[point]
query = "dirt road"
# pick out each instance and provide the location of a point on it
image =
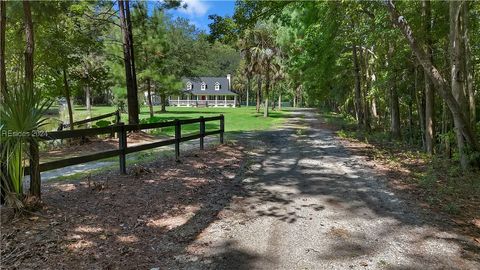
(311, 204)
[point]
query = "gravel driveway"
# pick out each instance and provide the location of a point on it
(310, 204)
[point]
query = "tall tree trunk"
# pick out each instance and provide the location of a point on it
(163, 101)
(267, 89)
(131, 48)
(458, 73)
(420, 98)
(279, 101)
(469, 68)
(88, 103)
(429, 91)
(3, 26)
(132, 95)
(445, 130)
(30, 46)
(149, 97)
(373, 106)
(461, 123)
(366, 110)
(358, 90)
(249, 86)
(394, 112)
(3, 92)
(259, 91)
(410, 114)
(68, 98)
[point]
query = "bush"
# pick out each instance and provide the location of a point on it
(21, 112)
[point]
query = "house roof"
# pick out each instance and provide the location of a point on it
(209, 86)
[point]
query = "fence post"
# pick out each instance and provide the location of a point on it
(117, 117)
(117, 121)
(178, 136)
(122, 146)
(222, 127)
(202, 131)
(35, 179)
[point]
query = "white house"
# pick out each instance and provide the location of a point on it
(205, 92)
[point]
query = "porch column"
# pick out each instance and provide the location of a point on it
(216, 100)
(188, 100)
(234, 101)
(225, 101)
(178, 98)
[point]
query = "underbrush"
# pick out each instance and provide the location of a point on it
(438, 181)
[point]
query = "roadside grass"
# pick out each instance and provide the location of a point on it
(237, 120)
(437, 181)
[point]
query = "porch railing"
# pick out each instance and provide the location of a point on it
(195, 103)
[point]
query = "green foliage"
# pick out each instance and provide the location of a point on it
(223, 29)
(102, 123)
(451, 208)
(21, 113)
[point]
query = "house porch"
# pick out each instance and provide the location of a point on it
(203, 100)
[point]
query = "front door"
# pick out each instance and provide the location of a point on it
(203, 97)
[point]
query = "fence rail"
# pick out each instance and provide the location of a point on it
(121, 129)
(116, 113)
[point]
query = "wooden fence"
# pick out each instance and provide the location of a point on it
(121, 129)
(116, 113)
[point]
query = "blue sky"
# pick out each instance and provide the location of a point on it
(197, 11)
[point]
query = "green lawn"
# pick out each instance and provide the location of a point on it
(236, 119)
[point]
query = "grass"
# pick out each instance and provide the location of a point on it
(236, 119)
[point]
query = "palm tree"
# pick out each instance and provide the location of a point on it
(21, 112)
(240, 83)
(245, 44)
(263, 55)
(278, 76)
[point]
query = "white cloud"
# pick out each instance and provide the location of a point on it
(195, 8)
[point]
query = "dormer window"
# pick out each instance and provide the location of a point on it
(189, 86)
(203, 86)
(217, 86)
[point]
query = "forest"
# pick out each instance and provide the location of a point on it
(411, 78)
(356, 121)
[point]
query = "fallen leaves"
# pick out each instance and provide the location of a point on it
(112, 227)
